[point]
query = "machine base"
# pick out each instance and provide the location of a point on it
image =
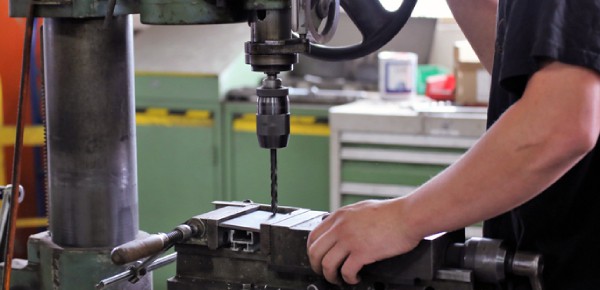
(51, 267)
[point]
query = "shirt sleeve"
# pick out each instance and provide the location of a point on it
(537, 31)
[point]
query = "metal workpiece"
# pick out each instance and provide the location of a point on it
(212, 235)
(91, 132)
(226, 213)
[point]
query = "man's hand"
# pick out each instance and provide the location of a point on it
(357, 235)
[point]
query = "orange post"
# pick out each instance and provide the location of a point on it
(12, 33)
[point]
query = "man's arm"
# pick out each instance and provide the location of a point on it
(534, 143)
(477, 19)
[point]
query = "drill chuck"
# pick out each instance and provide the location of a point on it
(273, 114)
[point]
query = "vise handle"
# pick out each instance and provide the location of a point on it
(151, 245)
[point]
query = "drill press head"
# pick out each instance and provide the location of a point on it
(272, 50)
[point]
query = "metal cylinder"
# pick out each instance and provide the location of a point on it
(91, 131)
(529, 265)
(272, 27)
(486, 257)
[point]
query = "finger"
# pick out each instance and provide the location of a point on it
(319, 230)
(318, 249)
(350, 269)
(332, 261)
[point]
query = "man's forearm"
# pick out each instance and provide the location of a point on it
(477, 19)
(527, 150)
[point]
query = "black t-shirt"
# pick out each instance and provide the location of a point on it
(563, 222)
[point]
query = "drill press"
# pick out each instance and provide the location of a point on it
(253, 246)
(271, 33)
(273, 48)
(90, 112)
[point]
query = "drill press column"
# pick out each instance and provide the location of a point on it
(91, 131)
(91, 157)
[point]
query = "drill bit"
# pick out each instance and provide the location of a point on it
(274, 181)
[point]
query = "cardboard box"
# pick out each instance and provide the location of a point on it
(472, 79)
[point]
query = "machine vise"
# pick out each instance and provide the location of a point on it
(242, 245)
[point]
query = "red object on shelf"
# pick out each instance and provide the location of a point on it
(441, 87)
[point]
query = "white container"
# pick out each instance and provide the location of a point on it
(397, 75)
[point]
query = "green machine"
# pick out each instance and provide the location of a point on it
(179, 120)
